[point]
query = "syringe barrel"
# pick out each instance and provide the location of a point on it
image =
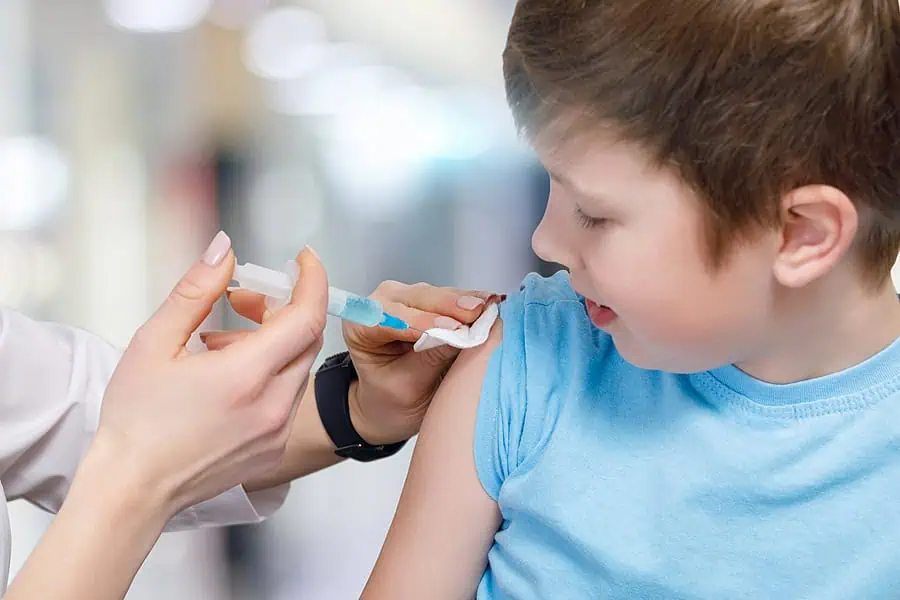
(264, 281)
(279, 286)
(351, 307)
(337, 300)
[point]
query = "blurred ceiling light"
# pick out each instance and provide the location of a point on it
(404, 117)
(409, 121)
(157, 16)
(332, 91)
(377, 144)
(35, 181)
(475, 122)
(375, 150)
(285, 43)
(348, 54)
(374, 183)
(370, 101)
(236, 14)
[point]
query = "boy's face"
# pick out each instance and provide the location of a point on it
(632, 237)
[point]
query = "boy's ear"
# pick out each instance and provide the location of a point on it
(819, 224)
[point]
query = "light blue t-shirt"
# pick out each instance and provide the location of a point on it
(617, 482)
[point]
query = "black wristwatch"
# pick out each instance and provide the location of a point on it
(333, 381)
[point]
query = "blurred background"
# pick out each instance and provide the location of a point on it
(374, 130)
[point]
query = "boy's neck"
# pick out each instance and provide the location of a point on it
(827, 330)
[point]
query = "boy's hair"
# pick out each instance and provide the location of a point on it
(745, 99)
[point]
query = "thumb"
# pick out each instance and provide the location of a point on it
(294, 328)
(191, 301)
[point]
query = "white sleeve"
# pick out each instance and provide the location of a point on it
(52, 381)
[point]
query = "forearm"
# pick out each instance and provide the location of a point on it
(309, 448)
(104, 531)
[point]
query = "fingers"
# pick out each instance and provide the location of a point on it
(190, 302)
(464, 306)
(423, 307)
(372, 338)
(296, 327)
(249, 305)
(419, 320)
(219, 340)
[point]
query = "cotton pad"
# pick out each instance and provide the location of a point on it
(467, 336)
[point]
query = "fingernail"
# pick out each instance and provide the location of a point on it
(312, 250)
(217, 250)
(447, 323)
(469, 302)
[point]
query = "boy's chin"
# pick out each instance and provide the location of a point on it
(644, 358)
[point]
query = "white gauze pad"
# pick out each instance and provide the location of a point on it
(465, 337)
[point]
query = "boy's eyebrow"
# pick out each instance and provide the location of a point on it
(565, 181)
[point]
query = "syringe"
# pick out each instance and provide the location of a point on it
(342, 304)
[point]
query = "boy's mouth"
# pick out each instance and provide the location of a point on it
(600, 314)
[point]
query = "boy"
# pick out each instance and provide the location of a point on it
(708, 404)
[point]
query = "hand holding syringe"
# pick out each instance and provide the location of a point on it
(350, 307)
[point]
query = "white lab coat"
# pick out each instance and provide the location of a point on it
(52, 380)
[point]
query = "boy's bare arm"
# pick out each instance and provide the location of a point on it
(445, 523)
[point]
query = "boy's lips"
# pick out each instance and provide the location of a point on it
(600, 315)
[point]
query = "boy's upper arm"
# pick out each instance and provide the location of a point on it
(445, 522)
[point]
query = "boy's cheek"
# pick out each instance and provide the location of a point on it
(677, 316)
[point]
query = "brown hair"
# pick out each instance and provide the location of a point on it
(746, 99)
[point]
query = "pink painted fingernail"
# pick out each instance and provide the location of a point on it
(447, 323)
(469, 302)
(217, 250)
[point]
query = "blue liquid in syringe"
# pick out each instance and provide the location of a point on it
(368, 312)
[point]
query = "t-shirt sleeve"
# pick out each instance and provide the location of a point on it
(517, 411)
(502, 402)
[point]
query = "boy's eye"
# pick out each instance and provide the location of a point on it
(587, 221)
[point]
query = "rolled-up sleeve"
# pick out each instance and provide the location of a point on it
(233, 507)
(52, 382)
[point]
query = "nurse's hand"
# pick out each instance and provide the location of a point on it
(188, 427)
(176, 429)
(396, 385)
